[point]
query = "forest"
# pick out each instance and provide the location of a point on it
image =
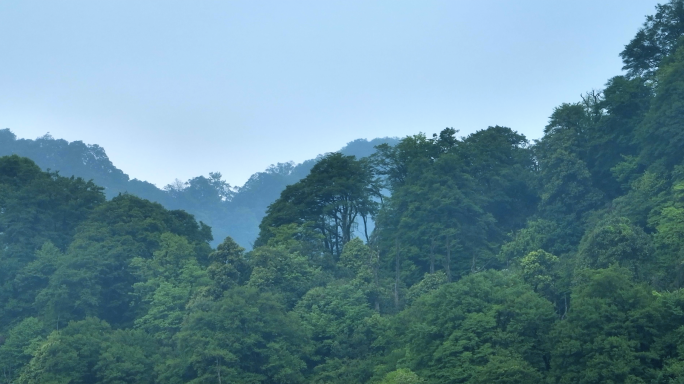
(485, 258)
(233, 211)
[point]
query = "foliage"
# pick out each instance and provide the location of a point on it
(608, 331)
(247, 336)
(452, 333)
(657, 39)
(338, 192)
(402, 376)
(492, 259)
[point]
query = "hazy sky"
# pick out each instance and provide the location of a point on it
(176, 89)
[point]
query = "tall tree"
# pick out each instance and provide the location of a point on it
(339, 192)
(458, 331)
(659, 37)
(247, 337)
(36, 207)
(661, 134)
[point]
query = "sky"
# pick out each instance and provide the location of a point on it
(177, 89)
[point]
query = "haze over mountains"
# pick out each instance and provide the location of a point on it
(493, 258)
(230, 210)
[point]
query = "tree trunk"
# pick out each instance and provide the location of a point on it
(447, 265)
(218, 370)
(365, 227)
(432, 256)
(396, 275)
(376, 266)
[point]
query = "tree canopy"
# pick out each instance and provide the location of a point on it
(486, 258)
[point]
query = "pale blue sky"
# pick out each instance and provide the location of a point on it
(175, 89)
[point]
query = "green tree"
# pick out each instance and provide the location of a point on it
(624, 103)
(660, 133)
(402, 376)
(32, 279)
(15, 352)
(539, 269)
(337, 316)
(617, 241)
(668, 222)
(35, 207)
(455, 201)
(95, 278)
(127, 356)
(430, 282)
(669, 345)
(40, 206)
(228, 266)
(338, 193)
(453, 332)
(658, 38)
(647, 192)
(279, 270)
(247, 337)
(362, 265)
(394, 162)
(68, 355)
(607, 334)
(506, 369)
(169, 280)
(567, 195)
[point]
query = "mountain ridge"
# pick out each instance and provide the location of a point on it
(234, 212)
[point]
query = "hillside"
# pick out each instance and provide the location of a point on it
(493, 259)
(234, 212)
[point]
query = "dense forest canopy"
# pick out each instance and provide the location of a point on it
(230, 210)
(487, 258)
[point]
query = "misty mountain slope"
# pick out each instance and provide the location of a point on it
(234, 212)
(495, 259)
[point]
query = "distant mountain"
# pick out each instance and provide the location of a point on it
(230, 212)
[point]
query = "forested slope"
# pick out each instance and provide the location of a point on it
(230, 211)
(493, 260)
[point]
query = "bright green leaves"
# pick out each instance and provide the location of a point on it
(359, 259)
(276, 269)
(608, 331)
(429, 283)
(506, 368)
(336, 315)
(458, 329)
(228, 266)
(68, 356)
(668, 222)
(127, 356)
(363, 264)
(247, 336)
(169, 280)
(539, 269)
(402, 376)
(17, 349)
(175, 262)
(89, 351)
